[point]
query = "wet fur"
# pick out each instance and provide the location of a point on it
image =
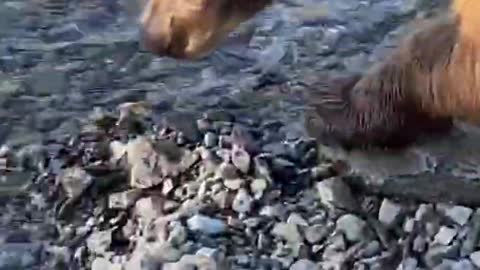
(191, 29)
(431, 78)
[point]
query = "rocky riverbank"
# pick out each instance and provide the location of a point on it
(131, 193)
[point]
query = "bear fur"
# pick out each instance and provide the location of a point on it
(431, 78)
(192, 29)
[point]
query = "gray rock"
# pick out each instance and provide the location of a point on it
(242, 203)
(226, 171)
(304, 265)
(436, 253)
(316, 233)
(463, 264)
(210, 139)
(475, 258)
(101, 264)
(353, 227)
(335, 193)
(241, 159)
(124, 199)
(19, 255)
(287, 231)
(445, 235)
(258, 187)
(47, 81)
(471, 239)
(148, 208)
(459, 214)
(75, 181)
(419, 244)
(390, 212)
(99, 242)
(422, 211)
(295, 218)
(67, 32)
(206, 225)
(233, 184)
(408, 264)
(178, 233)
(409, 225)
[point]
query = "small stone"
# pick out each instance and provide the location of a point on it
(211, 253)
(475, 258)
(178, 234)
(422, 211)
(419, 244)
(242, 203)
(408, 264)
(463, 264)
(210, 139)
(233, 184)
(471, 239)
(409, 225)
(206, 225)
(258, 187)
(75, 181)
(445, 235)
(304, 265)
(241, 159)
(99, 242)
(459, 214)
(355, 229)
(389, 213)
(316, 233)
(436, 253)
(47, 81)
(148, 208)
(295, 218)
(123, 200)
(287, 231)
(227, 171)
(335, 193)
(101, 264)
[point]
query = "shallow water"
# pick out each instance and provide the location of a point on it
(60, 59)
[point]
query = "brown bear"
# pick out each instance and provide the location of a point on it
(432, 77)
(191, 29)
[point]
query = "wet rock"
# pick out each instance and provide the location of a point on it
(304, 265)
(423, 211)
(210, 139)
(234, 184)
(242, 203)
(243, 139)
(183, 122)
(389, 213)
(258, 187)
(99, 242)
(47, 81)
(459, 214)
(475, 258)
(178, 234)
(101, 264)
(67, 32)
(19, 255)
(436, 253)
(335, 193)
(409, 224)
(206, 225)
(297, 219)
(445, 235)
(75, 181)
(354, 228)
(463, 264)
(149, 208)
(124, 199)
(473, 234)
(316, 233)
(408, 264)
(287, 231)
(419, 244)
(227, 171)
(241, 159)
